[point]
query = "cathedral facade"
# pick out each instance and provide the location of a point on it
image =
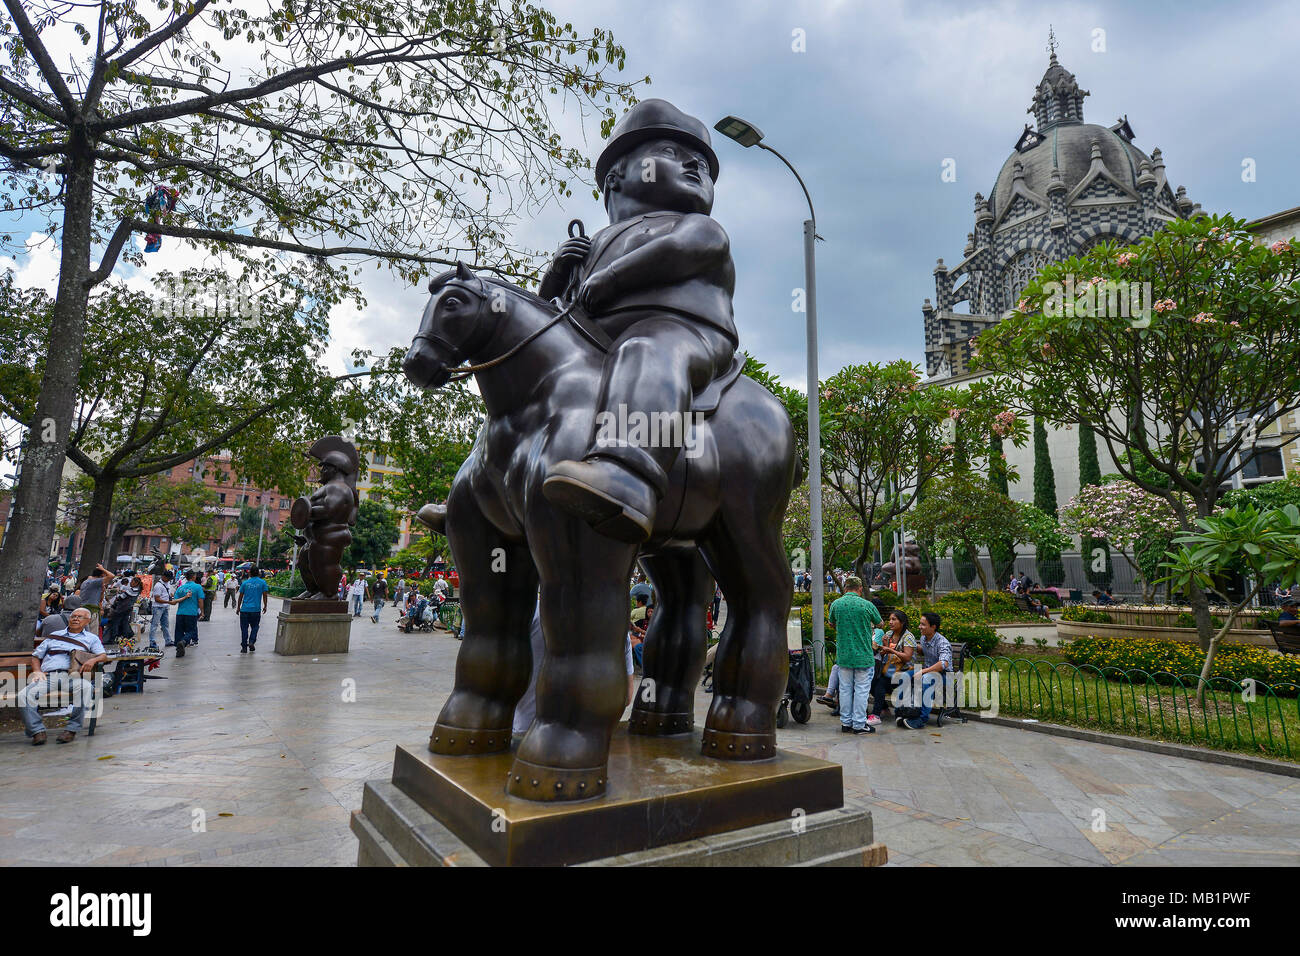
(1067, 186)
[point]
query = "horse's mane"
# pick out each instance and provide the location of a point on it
(452, 275)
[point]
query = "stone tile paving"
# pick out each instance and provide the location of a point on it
(274, 744)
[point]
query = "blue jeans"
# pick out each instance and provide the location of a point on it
(161, 617)
(855, 685)
(59, 684)
(187, 628)
(356, 605)
(249, 622)
(379, 606)
(922, 693)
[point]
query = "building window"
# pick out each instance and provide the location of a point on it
(1018, 273)
(376, 477)
(379, 459)
(222, 497)
(1265, 463)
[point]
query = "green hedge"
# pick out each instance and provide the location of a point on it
(1233, 661)
(1086, 615)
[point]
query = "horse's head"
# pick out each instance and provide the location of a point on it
(454, 326)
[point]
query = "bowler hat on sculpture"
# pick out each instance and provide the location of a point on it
(655, 119)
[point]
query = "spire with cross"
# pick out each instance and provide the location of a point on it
(1051, 41)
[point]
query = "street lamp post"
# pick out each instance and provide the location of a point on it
(747, 134)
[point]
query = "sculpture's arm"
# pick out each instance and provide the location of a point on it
(697, 245)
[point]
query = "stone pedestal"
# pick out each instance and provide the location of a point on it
(313, 627)
(666, 805)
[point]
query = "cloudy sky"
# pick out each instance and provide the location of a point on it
(880, 96)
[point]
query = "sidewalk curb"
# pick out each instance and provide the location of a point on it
(1225, 758)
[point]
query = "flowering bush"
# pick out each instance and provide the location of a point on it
(1235, 662)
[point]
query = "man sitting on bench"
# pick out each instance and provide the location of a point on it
(51, 673)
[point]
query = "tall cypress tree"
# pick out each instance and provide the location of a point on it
(1002, 554)
(1090, 474)
(1050, 571)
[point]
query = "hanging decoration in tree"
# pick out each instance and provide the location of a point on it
(160, 202)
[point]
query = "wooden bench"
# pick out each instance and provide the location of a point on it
(1285, 636)
(1023, 603)
(14, 666)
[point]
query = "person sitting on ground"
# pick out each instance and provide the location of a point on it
(855, 618)
(930, 681)
(895, 654)
(637, 634)
(120, 611)
(51, 673)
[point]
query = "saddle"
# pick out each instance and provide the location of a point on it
(705, 402)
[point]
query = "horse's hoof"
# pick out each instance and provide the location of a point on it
(434, 516)
(616, 503)
(462, 741)
(648, 724)
(728, 746)
(549, 784)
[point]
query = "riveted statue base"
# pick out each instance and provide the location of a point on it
(642, 806)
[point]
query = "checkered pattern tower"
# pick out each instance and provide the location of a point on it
(1067, 186)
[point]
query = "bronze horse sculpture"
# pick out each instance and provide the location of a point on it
(721, 517)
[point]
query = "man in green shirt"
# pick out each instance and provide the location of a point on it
(855, 618)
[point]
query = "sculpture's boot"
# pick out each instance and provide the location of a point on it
(434, 516)
(614, 500)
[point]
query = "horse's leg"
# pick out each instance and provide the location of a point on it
(582, 684)
(498, 593)
(674, 652)
(749, 671)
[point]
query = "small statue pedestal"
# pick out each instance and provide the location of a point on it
(313, 627)
(667, 805)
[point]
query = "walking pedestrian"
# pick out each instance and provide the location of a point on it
(209, 594)
(187, 599)
(253, 598)
(232, 591)
(161, 599)
(380, 592)
(357, 594)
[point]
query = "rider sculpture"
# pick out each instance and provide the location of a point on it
(326, 517)
(658, 282)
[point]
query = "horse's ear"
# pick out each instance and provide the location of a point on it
(463, 271)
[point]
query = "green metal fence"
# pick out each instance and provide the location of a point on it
(1248, 716)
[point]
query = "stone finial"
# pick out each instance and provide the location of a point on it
(1096, 150)
(939, 266)
(926, 306)
(1018, 170)
(1145, 177)
(1197, 212)
(1055, 184)
(970, 244)
(982, 211)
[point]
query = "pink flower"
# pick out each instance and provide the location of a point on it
(1280, 246)
(1203, 317)
(1022, 305)
(1165, 305)
(955, 413)
(1125, 258)
(1096, 280)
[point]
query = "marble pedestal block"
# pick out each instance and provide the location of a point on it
(313, 627)
(667, 805)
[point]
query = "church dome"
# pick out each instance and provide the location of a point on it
(1067, 146)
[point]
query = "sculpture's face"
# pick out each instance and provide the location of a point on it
(328, 473)
(667, 174)
(447, 331)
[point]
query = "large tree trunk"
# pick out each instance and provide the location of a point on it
(35, 505)
(98, 520)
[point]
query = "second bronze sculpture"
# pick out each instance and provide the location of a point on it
(620, 427)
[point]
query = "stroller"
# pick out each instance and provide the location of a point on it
(796, 702)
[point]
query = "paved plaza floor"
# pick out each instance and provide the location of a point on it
(259, 760)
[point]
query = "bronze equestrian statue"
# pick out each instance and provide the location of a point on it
(557, 493)
(326, 518)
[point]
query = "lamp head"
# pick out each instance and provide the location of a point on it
(733, 127)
